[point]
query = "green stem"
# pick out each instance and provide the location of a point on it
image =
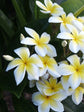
(79, 11)
(19, 13)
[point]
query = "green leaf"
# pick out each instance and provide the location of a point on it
(7, 83)
(6, 24)
(19, 13)
(72, 5)
(69, 106)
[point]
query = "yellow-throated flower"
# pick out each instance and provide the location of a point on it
(44, 102)
(49, 87)
(25, 63)
(41, 43)
(50, 65)
(76, 39)
(49, 7)
(75, 71)
(64, 20)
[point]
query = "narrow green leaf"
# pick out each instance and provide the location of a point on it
(19, 13)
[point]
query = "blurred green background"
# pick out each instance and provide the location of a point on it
(14, 16)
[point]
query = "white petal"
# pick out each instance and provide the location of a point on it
(45, 12)
(13, 64)
(22, 52)
(77, 97)
(73, 46)
(51, 51)
(56, 106)
(33, 72)
(8, 57)
(45, 37)
(19, 74)
(28, 41)
(64, 28)
(32, 33)
(39, 4)
(48, 2)
(41, 50)
(44, 107)
(64, 35)
(55, 20)
(74, 81)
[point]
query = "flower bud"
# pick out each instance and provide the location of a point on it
(8, 57)
(64, 43)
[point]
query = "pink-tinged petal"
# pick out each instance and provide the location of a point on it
(13, 64)
(65, 82)
(72, 29)
(28, 41)
(63, 28)
(44, 107)
(32, 33)
(65, 35)
(41, 50)
(33, 72)
(74, 60)
(77, 96)
(45, 38)
(55, 20)
(66, 69)
(19, 74)
(39, 4)
(73, 46)
(74, 80)
(56, 106)
(37, 98)
(51, 51)
(23, 52)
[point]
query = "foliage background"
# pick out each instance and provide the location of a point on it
(14, 16)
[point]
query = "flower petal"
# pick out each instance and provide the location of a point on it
(32, 33)
(33, 72)
(22, 52)
(64, 35)
(28, 41)
(74, 80)
(51, 51)
(45, 12)
(13, 64)
(55, 20)
(41, 50)
(48, 3)
(56, 106)
(73, 46)
(45, 38)
(19, 74)
(39, 4)
(63, 28)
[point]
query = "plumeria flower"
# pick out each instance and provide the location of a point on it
(77, 95)
(25, 63)
(49, 7)
(76, 39)
(44, 102)
(50, 65)
(63, 20)
(75, 71)
(49, 87)
(41, 43)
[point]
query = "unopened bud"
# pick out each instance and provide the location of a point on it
(21, 37)
(64, 43)
(8, 57)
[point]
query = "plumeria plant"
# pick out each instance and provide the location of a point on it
(54, 75)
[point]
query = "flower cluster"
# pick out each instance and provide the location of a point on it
(41, 67)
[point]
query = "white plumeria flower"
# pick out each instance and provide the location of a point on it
(76, 39)
(64, 20)
(49, 7)
(41, 43)
(44, 102)
(25, 63)
(50, 65)
(49, 87)
(77, 95)
(75, 71)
